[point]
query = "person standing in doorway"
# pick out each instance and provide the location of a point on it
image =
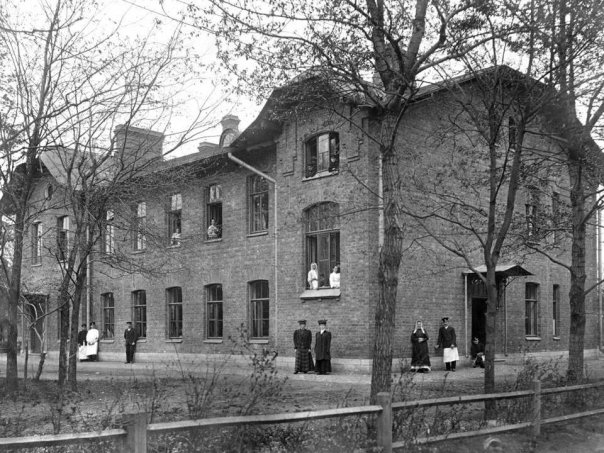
(323, 349)
(130, 337)
(302, 342)
(420, 355)
(82, 343)
(477, 353)
(448, 342)
(313, 277)
(92, 343)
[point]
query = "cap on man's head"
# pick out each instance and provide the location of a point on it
(129, 322)
(446, 318)
(323, 322)
(302, 321)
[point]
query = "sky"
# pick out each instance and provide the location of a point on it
(138, 17)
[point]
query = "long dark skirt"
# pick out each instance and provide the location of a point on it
(323, 366)
(304, 362)
(420, 357)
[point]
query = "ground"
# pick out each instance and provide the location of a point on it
(105, 392)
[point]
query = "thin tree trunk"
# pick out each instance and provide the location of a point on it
(388, 273)
(75, 317)
(576, 341)
(490, 346)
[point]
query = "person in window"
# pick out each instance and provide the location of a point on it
(213, 230)
(477, 353)
(323, 349)
(334, 277)
(302, 342)
(448, 342)
(175, 238)
(82, 343)
(92, 343)
(420, 356)
(313, 277)
(334, 163)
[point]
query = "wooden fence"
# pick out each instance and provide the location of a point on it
(133, 437)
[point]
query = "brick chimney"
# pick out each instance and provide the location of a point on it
(136, 146)
(230, 129)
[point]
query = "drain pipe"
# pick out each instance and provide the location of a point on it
(274, 183)
(599, 276)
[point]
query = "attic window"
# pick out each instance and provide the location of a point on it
(48, 192)
(323, 154)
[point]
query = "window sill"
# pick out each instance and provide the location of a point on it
(173, 246)
(532, 338)
(138, 252)
(214, 240)
(258, 341)
(36, 265)
(173, 340)
(321, 293)
(213, 341)
(259, 233)
(556, 338)
(108, 341)
(321, 174)
(143, 340)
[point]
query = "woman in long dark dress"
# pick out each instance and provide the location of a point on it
(420, 356)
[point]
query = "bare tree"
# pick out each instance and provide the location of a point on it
(72, 83)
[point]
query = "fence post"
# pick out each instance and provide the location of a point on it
(384, 422)
(536, 408)
(136, 426)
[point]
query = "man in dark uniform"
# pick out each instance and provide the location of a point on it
(131, 338)
(448, 341)
(302, 342)
(323, 349)
(82, 343)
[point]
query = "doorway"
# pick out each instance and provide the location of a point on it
(479, 316)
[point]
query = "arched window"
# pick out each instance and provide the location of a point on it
(323, 239)
(322, 154)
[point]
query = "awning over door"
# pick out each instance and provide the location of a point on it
(503, 270)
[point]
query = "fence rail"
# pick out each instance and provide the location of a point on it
(133, 437)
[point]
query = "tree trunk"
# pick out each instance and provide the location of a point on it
(64, 304)
(75, 318)
(388, 271)
(576, 340)
(40, 366)
(490, 345)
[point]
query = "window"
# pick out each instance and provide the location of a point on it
(556, 220)
(62, 237)
(36, 243)
(512, 133)
(109, 234)
(174, 301)
(259, 308)
(322, 154)
(108, 307)
(556, 310)
(140, 226)
(139, 311)
(531, 320)
(323, 239)
(531, 221)
(214, 210)
(174, 219)
(258, 203)
(214, 311)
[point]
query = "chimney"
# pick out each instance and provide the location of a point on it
(230, 129)
(136, 146)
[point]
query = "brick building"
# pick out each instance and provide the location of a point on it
(227, 244)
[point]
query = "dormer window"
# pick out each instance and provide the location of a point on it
(323, 154)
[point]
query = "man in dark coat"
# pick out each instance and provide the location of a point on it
(302, 342)
(323, 349)
(82, 343)
(448, 341)
(131, 337)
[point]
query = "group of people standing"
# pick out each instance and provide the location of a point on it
(315, 280)
(302, 346)
(88, 343)
(447, 341)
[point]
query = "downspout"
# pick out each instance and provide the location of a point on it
(599, 275)
(88, 280)
(274, 183)
(465, 314)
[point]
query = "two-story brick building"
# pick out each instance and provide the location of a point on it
(227, 248)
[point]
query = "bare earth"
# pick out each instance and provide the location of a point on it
(108, 390)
